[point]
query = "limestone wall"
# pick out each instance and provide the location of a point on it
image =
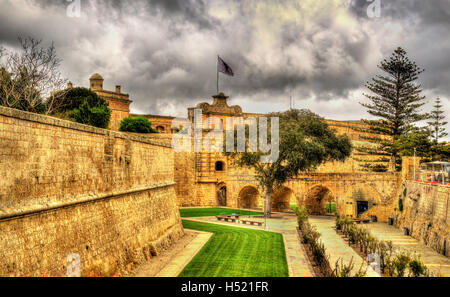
(426, 213)
(67, 188)
(184, 173)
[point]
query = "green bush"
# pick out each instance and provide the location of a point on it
(417, 268)
(136, 125)
(97, 116)
(400, 204)
(400, 264)
(302, 216)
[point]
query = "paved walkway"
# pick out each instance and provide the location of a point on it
(337, 248)
(438, 264)
(177, 264)
(297, 261)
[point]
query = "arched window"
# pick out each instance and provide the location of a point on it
(160, 129)
(220, 166)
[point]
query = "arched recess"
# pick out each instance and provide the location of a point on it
(318, 198)
(220, 166)
(222, 194)
(249, 196)
(282, 198)
(360, 199)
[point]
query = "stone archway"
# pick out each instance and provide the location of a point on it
(281, 199)
(249, 196)
(318, 200)
(360, 199)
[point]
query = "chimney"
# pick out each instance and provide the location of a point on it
(118, 89)
(69, 85)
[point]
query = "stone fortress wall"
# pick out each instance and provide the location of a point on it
(426, 214)
(68, 188)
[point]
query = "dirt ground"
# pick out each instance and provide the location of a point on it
(156, 264)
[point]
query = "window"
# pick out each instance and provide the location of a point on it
(220, 166)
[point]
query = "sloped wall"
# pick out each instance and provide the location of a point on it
(67, 188)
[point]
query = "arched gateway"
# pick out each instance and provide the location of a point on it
(248, 197)
(319, 200)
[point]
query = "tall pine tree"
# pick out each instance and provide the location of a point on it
(396, 101)
(437, 125)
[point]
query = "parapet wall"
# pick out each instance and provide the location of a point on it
(426, 213)
(67, 188)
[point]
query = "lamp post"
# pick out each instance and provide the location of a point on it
(414, 164)
(266, 228)
(239, 206)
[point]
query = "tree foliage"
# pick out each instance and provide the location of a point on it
(28, 76)
(305, 142)
(137, 125)
(418, 143)
(396, 101)
(73, 98)
(437, 125)
(97, 116)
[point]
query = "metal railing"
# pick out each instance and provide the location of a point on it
(432, 177)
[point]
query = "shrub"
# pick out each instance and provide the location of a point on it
(302, 216)
(137, 125)
(400, 204)
(400, 264)
(97, 116)
(417, 268)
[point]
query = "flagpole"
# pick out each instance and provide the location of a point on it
(217, 68)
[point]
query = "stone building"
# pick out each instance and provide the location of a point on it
(211, 179)
(119, 103)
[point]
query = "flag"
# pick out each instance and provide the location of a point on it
(224, 68)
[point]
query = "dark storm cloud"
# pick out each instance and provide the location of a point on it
(163, 52)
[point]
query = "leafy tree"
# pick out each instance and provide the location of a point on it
(438, 125)
(305, 142)
(97, 116)
(137, 125)
(396, 101)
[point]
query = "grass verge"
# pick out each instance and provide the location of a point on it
(211, 212)
(237, 252)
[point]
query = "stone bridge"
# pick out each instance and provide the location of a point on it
(352, 193)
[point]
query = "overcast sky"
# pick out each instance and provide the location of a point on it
(164, 52)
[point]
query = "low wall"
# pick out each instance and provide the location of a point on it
(426, 213)
(67, 188)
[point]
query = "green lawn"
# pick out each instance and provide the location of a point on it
(211, 212)
(237, 252)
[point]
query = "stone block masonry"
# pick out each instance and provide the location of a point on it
(427, 214)
(67, 188)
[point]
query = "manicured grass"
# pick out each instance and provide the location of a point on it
(211, 212)
(237, 252)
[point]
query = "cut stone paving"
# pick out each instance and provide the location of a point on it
(176, 266)
(438, 264)
(336, 247)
